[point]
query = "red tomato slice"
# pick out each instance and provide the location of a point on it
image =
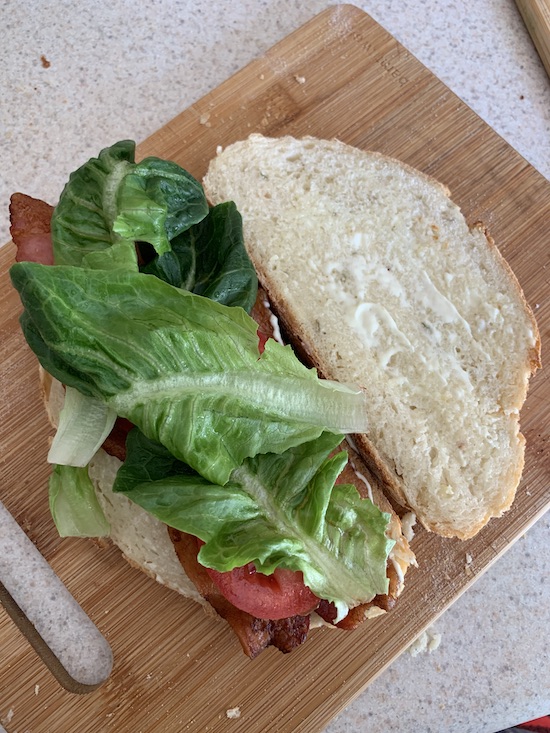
(276, 596)
(262, 339)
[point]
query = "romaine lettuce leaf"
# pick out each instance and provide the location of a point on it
(111, 202)
(210, 259)
(157, 201)
(108, 204)
(184, 369)
(74, 505)
(84, 424)
(275, 511)
(82, 222)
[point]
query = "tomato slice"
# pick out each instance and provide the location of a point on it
(273, 597)
(262, 339)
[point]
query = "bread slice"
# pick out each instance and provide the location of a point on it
(378, 280)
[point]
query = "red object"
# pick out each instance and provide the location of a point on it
(277, 596)
(540, 725)
(30, 229)
(262, 339)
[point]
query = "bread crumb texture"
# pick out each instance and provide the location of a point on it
(143, 539)
(376, 274)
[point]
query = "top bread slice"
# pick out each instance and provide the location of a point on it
(379, 281)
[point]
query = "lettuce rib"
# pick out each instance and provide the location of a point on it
(186, 370)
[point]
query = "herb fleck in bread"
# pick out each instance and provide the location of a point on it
(379, 280)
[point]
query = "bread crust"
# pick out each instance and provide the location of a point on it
(535, 357)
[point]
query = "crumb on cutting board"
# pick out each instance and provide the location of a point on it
(8, 717)
(428, 641)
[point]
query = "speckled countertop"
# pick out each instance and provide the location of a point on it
(75, 76)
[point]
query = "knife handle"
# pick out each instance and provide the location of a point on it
(536, 16)
(62, 634)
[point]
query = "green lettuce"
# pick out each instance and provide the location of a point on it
(276, 511)
(84, 424)
(157, 201)
(210, 259)
(82, 222)
(111, 202)
(184, 369)
(108, 205)
(74, 505)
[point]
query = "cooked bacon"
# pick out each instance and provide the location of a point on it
(30, 229)
(253, 633)
(262, 315)
(115, 444)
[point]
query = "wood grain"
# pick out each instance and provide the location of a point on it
(536, 16)
(176, 669)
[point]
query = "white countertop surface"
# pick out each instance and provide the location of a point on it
(123, 69)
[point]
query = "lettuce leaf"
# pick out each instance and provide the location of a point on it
(156, 202)
(184, 369)
(111, 202)
(275, 511)
(74, 505)
(83, 219)
(84, 424)
(210, 259)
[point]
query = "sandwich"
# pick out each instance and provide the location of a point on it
(186, 433)
(413, 339)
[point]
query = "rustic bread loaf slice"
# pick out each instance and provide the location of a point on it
(379, 281)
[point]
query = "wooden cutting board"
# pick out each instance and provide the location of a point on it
(175, 669)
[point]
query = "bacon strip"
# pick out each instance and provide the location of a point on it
(115, 443)
(30, 229)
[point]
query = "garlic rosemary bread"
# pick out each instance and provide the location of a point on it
(378, 280)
